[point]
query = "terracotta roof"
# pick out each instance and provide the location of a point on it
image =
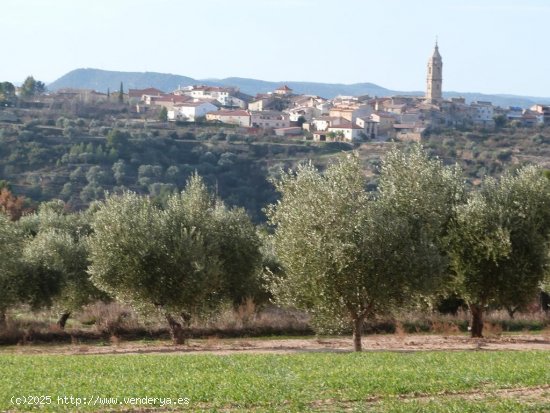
(137, 93)
(284, 87)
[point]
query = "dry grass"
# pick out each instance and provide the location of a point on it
(114, 322)
(249, 316)
(108, 317)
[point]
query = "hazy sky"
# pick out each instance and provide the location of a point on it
(491, 46)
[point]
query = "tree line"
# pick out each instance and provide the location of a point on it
(29, 88)
(342, 253)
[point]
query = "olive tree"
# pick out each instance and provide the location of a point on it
(499, 242)
(10, 244)
(182, 260)
(350, 255)
(55, 260)
(43, 280)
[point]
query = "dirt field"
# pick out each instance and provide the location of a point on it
(398, 343)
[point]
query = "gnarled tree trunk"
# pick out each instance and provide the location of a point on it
(176, 329)
(477, 320)
(3, 320)
(63, 319)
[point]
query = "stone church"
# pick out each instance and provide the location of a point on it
(435, 77)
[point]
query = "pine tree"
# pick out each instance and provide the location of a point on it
(121, 94)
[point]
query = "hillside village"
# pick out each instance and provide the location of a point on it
(285, 113)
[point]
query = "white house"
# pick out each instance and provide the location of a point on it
(283, 91)
(322, 123)
(307, 112)
(483, 113)
(227, 96)
(190, 111)
(543, 110)
(347, 131)
(233, 101)
(167, 100)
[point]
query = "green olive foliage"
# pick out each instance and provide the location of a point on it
(350, 255)
(10, 244)
(183, 259)
(499, 242)
(55, 259)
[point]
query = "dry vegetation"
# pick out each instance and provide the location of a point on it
(233, 329)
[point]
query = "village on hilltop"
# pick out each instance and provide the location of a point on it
(343, 118)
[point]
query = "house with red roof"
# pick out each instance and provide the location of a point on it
(283, 90)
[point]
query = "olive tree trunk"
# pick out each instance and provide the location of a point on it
(358, 332)
(176, 329)
(477, 320)
(63, 319)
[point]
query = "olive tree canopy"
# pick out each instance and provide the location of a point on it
(54, 260)
(182, 259)
(10, 244)
(499, 242)
(350, 255)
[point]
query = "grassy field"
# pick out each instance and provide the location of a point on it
(474, 381)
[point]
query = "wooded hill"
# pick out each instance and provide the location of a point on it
(75, 159)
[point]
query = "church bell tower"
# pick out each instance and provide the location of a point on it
(435, 76)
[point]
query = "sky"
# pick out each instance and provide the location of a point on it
(488, 46)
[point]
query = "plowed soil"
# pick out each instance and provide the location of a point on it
(397, 343)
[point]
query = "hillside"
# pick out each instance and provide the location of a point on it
(78, 159)
(101, 80)
(45, 156)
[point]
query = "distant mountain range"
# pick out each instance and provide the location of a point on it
(102, 80)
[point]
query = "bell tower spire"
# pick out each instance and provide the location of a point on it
(434, 81)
